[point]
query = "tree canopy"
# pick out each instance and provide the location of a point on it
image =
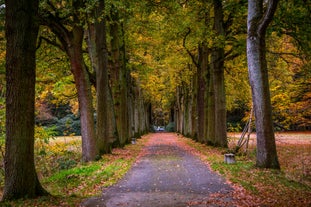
(110, 70)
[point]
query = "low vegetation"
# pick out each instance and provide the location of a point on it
(265, 187)
(67, 179)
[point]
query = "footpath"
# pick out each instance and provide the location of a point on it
(167, 174)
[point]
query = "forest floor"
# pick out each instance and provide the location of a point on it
(71, 182)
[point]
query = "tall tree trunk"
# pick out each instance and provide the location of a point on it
(201, 88)
(218, 79)
(130, 103)
(257, 23)
(180, 109)
(194, 115)
(119, 76)
(71, 43)
(136, 109)
(78, 67)
(21, 32)
(210, 108)
(106, 126)
(189, 111)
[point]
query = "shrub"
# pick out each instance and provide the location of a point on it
(69, 125)
(42, 138)
(170, 127)
(65, 164)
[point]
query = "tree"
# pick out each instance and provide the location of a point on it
(211, 104)
(68, 27)
(119, 74)
(98, 50)
(258, 20)
(22, 27)
(217, 65)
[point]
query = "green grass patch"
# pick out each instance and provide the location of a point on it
(69, 181)
(82, 171)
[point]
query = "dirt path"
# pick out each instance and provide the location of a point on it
(166, 175)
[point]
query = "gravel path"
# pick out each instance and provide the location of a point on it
(166, 175)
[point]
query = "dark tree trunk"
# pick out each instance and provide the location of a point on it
(210, 108)
(21, 32)
(179, 109)
(119, 76)
(194, 115)
(187, 125)
(78, 67)
(217, 65)
(201, 88)
(106, 126)
(257, 24)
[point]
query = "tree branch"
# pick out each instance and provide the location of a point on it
(267, 17)
(51, 42)
(284, 53)
(188, 51)
(51, 21)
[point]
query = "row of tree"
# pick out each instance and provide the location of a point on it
(83, 31)
(171, 58)
(130, 58)
(206, 52)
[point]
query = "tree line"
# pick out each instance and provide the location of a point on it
(121, 112)
(132, 57)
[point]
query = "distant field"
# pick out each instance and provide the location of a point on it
(65, 139)
(280, 137)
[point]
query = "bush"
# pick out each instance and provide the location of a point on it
(69, 125)
(42, 138)
(234, 127)
(65, 164)
(170, 127)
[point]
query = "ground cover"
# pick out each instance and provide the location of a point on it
(262, 187)
(70, 181)
(67, 179)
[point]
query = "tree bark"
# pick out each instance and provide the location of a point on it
(78, 67)
(119, 76)
(21, 32)
(194, 115)
(106, 126)
(218, 79)
(210, 108)
(257, 24)
(201, 88)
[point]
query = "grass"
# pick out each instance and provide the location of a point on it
(290, 186)
(70, 181)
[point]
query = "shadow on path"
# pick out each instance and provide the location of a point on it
(166, 175)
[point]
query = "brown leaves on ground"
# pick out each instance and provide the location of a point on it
(252, 186)
(264, 187)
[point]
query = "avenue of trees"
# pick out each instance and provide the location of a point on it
(116, 65)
